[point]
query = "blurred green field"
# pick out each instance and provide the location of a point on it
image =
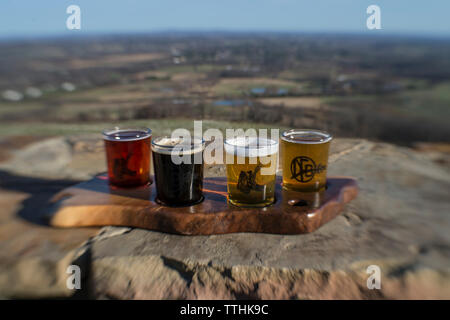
(159, 127)
(428, 104)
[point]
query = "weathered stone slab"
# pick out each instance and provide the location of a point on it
(399, 222)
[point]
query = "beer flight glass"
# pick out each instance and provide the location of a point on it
(251, 164)
(178, 184)
(128, 156)
(305, 159)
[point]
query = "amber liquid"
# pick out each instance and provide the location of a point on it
(248, 185)
(128, 159)
(304, 165)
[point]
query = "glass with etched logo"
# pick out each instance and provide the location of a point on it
(304, 154)
(251, 171)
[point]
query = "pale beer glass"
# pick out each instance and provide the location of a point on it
(251, 171)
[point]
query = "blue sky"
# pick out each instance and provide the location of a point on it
(48, 17)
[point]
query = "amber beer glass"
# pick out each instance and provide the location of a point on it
(251, 171)
(128, 156)
(305, 159)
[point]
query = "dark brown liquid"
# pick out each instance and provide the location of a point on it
(128, 158)
(177, 184)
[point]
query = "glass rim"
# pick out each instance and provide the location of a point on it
(108, 133)
(168, 147)
(253, 147)
(326, 137)
(258, 150)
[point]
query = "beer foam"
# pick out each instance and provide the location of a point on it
(126, 134)
(169, 142)
(168, 145)
(251, 147)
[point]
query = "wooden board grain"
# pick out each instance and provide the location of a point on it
(95, 203)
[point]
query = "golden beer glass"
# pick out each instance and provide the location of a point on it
(305, 159)
(251, 171)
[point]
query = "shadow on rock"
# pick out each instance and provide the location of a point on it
(40, 192)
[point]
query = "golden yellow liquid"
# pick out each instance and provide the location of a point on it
(250, 186)
(304, 165)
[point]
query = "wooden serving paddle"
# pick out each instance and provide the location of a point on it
(95, 203)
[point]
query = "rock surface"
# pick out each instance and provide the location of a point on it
(399, 222)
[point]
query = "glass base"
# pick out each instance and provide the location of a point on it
(179, 205)
(252, 205)
(310, 188)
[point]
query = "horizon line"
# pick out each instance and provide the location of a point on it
(80, 34)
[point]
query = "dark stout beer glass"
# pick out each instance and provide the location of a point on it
(128, 156)
(178, 183)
